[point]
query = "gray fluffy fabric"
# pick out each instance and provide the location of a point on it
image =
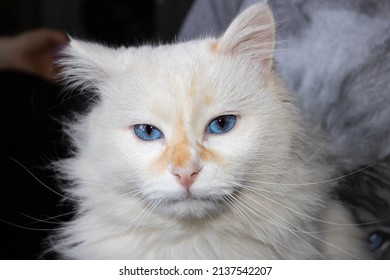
(335, 56)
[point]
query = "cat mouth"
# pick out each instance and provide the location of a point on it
(194, 205)
(190, 197)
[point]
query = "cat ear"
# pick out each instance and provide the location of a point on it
(251, 35)
(85, 65)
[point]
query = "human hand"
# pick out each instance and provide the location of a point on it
(32, 52)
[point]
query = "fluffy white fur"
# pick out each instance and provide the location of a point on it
(264, 188)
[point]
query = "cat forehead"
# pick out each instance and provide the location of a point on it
(184, 71)
(150, 84)
(179, 60)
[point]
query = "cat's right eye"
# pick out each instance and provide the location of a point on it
(147, 132)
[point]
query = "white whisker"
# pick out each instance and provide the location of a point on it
(240, 213)
(273, 221)
(299, 229)
(48, 220)
(43, 184)
(303, 163)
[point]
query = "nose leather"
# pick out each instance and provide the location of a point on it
(187, 175)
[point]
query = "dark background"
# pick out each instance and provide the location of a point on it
(109, 21)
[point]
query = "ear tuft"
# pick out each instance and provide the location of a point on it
(251, 35)
(84, 65)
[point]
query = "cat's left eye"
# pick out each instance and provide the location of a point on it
(147, 132)
(221, 124)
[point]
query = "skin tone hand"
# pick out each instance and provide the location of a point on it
(32, 52)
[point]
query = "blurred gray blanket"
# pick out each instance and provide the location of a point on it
(335, 57)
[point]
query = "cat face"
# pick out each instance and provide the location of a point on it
(182, 127)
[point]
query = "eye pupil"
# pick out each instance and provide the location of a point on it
(221, 124)
(148, 129)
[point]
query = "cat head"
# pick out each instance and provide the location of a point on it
(182, 127)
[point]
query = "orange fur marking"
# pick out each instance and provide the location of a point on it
(208, 99)
(207, 155)
(193, 86)
(163, 161)
(214, 47)
(178, 153)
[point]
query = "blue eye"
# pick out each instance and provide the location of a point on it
(221, 124)
(147, 132)
(376, 240)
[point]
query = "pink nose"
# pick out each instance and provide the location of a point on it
(187, 175)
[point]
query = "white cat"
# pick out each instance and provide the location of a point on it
(196, 151)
